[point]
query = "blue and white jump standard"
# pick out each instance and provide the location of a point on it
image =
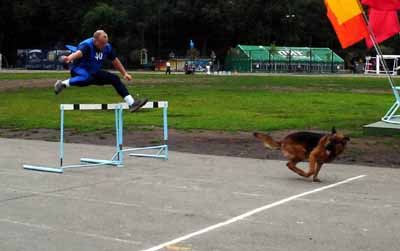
(117, 158)
(392, 115)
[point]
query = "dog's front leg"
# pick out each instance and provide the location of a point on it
(292, 166)
(311, 166)
(315, 177)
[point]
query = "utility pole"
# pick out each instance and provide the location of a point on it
(159, 30)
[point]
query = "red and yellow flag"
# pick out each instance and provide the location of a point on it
(382, 4)
(383, 19)
(347, 21)
(344, 10)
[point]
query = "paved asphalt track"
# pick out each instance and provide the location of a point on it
(191, 202)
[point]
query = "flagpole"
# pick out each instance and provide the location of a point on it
(379, 53)
(390, 116)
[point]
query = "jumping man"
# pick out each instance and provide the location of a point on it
(86, 69)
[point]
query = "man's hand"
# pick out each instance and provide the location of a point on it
(117, 65)
(66, 59)
(127, 76)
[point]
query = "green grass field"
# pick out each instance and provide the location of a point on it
(230, 103)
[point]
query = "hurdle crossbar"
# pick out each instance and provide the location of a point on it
(117, 157)
(124, 106)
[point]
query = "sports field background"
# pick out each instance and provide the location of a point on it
(229, 103)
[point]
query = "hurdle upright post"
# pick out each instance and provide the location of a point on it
(119, 134)
(165, 124)
(61, 135)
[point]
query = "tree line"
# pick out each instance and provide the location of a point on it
(168, 25)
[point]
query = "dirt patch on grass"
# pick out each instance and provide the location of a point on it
(372, 151)
(10, 85)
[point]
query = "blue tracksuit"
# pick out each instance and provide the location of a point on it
(87, 69)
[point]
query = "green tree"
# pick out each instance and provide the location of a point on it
(105, 17)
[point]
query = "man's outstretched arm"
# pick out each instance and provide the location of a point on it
(73, 56)
(119, 67)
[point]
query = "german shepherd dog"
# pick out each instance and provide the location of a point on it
(316, 147)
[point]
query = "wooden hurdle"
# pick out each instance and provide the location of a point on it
(117, 158)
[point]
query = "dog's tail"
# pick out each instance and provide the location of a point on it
(268, 141)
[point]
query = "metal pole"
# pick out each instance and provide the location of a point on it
(121, 138)
(159, 31)
(394, 108)
(269, 58)
(379, 52)
(377, 65)
(251, 62)
(165, 122)
(117, 132)
(61, 135)
(310, 61)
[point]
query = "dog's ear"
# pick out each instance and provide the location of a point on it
(333, 130)
(346, 139)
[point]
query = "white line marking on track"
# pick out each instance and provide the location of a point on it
(247, 194)
(250, 213)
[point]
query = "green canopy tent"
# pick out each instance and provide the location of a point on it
(252, 58)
